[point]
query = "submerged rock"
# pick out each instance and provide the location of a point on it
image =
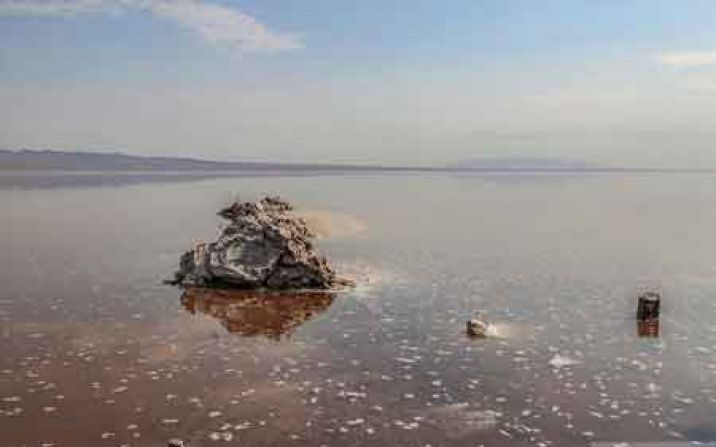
(264, 246)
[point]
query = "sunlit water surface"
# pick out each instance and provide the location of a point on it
(95, 351)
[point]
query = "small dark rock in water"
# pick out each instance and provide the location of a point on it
(264, 246)
(176, 443)
(648, 307)
(476, 327)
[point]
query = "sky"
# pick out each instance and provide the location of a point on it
(611, 82)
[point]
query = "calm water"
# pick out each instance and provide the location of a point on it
(95, 351)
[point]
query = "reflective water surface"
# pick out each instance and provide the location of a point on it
(250, 313)
(96, 351)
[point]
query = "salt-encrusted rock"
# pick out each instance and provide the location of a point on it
(477, 327)
(264, 246)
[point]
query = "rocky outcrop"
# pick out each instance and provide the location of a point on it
(264, 246)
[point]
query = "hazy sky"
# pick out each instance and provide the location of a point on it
(401, 82)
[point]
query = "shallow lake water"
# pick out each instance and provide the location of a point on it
(96, 351)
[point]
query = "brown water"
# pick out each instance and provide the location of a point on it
(95, 351)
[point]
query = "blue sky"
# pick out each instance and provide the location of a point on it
(426, 82)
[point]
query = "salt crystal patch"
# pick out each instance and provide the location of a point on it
(559, 361)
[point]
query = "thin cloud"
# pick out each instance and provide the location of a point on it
(214, 23)
(222, 25)
(688, 59)
(50, 8)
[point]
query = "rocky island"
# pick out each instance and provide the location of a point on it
(264, 246)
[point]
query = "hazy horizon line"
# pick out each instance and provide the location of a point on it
(519, 164)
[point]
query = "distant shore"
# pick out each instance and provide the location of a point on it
(99, 162)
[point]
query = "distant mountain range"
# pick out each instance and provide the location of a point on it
(115, 161)
(46, 160)
(523, 164)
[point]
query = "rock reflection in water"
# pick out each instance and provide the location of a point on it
(648, 328)
(252, 313)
